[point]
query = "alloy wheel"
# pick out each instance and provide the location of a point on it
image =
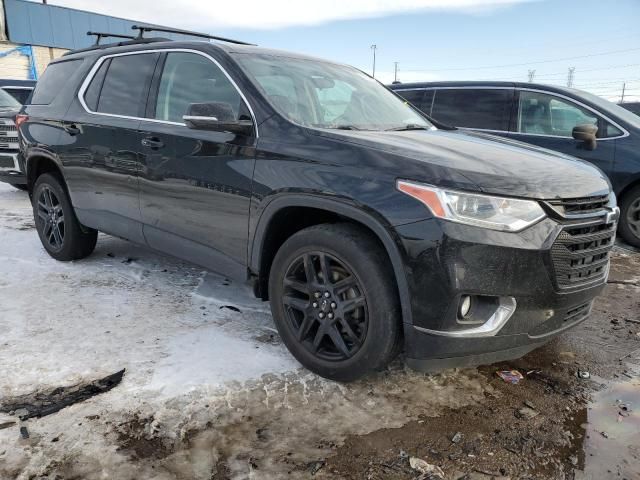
(51, 218)
(325, 306)
(633, 217)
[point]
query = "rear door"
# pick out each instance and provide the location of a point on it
(487, 109)
(100, 143)
(195, 185)
(547, 120)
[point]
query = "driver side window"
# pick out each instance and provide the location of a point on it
(191, 78)
(543, 114)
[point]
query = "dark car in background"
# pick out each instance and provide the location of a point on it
(10, 168)
(631, 106)
(557, 118)
(369, 229)
(18, 89)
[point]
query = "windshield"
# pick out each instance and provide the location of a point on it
(324, 95)
(7, 101)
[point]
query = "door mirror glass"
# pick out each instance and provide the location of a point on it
(586, 133)
(215, 116)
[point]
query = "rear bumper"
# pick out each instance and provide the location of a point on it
(446, 261)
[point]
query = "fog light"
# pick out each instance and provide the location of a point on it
(465, 306)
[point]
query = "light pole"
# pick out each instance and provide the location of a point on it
(374, 48)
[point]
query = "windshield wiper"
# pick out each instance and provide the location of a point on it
(409, 126)
(345, 127)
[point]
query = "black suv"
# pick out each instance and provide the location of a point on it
(562, 119)
(369, 229)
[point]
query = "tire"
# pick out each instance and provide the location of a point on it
(629, 226)
(19, 186)
(361, 306)
(51, 208)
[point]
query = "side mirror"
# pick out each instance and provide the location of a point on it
(587, 134)
(217, 117)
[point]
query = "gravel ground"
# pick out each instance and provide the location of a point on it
(209, 392)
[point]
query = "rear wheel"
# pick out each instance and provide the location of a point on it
(630, 217)
(334, 301)
(62, 236)
(19, 186)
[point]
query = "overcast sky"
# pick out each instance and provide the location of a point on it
(430, 39)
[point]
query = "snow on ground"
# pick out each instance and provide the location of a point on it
(209, 391)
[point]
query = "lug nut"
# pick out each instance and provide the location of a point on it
(333, 305)
(317, 294)
(327, 294)
(321, 315)
(314, 304)
(330, 315)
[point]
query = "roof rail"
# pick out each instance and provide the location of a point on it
(100, 35)
(142, 29)
(135, 41)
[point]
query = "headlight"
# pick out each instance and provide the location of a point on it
(495, 213)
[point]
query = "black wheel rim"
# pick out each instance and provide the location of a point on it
(51, 218)
(325, 306)
(633, 217)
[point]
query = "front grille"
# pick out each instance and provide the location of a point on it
(8, 128)
(573, 206)
(577, 313)
(580, 254)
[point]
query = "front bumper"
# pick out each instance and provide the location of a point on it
(445, 260)
(10, 171)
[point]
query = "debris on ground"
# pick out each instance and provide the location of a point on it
(24, 433)
(231, 307)
(526, 413)
(510, 376)
(4, 425)
(457, 437)
(583, 374)
(41, 404)
(419, 465)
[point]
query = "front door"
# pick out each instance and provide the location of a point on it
(195, 185)
(547, 120)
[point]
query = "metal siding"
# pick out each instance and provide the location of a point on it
(33, 23)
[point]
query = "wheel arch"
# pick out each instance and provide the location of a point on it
(38, 163)
(260, 258)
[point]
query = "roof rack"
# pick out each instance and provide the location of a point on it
(142, 29)
(100, 35)
(103, 46)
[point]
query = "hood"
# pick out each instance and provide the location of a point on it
(494, 164)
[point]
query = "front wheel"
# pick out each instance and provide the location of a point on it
(61, 234)
(334, 301)
(629, 227)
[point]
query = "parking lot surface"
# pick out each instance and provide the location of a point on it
(209, 392)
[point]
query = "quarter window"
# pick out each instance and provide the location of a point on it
(122, 86)
(485, 109)
(191, 78)
(544, 114)
(53, 81)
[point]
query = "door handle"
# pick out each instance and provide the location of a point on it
(72, 130)
(153, 143)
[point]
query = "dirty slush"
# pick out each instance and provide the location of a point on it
(574, 413)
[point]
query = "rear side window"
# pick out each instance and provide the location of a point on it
(53, 81)
(470, 108)
(122, 86)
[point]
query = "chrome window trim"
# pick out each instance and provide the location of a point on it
(101, 60)
(624, 131)
(16, 87)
